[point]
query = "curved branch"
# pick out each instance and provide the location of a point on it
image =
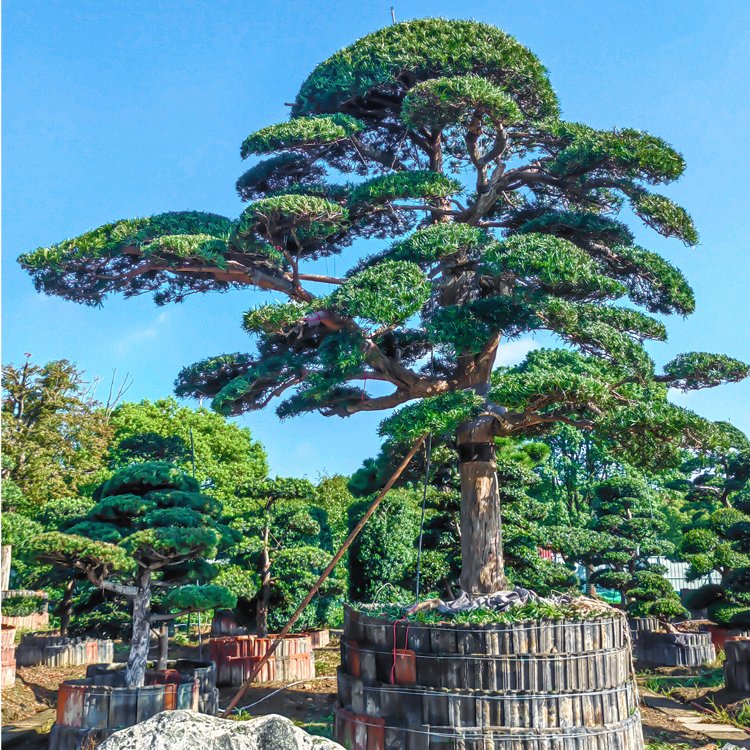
(320, 279)
(235, 273)
(386, 158)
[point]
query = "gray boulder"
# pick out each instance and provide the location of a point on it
(188, 730)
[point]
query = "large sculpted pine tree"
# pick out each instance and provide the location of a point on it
(444, 139)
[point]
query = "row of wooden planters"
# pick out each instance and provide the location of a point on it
(537, 685)
(737, 664)
(652, 647)
(34, 621)
(720, 635)
(236, 657)
(90, 710)
(59, 651)
(8, 651)
(225, 623)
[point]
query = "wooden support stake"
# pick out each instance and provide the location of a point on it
(331, 565)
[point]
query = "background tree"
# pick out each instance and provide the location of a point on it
(284, 542)
(55, 434)
(522, 236)
(578, 463)
(718, 536)
(21, 529)
(383, 557)
(333, 496)
(226, 456)
(149, 536)
(386, 549)
(628, 515)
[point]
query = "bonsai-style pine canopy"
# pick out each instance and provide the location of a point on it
(502, 220)
(718, 538)
(150, 530)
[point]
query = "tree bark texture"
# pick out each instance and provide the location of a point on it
(66, 606)
(139, 642)
(163, 646)
(482, 570)
(5, 562)
(261, 619)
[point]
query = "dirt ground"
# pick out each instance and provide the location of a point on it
(703, 688)
(35, 690)
(659, 728)
(308, 704)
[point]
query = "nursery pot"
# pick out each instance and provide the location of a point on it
(92, 709)
(659, 649)
(533, 685)
(737, 664)
(720, 635)
(236, 657)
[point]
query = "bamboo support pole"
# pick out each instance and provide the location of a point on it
(329, 568)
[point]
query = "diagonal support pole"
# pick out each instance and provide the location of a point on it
(331, 565)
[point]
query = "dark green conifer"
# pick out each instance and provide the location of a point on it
(148, 539)
(718, 537)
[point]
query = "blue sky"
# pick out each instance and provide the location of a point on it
(120, 109)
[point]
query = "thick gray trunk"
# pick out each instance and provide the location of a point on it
(482, 570)
(138, 656)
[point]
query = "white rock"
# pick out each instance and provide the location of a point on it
(188, 730)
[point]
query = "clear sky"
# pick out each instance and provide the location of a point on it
(126, 108)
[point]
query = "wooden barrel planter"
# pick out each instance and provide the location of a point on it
(59, 651)
(224, 622)
(655, 649)
(651, 624)
(720, 635)
(90, 710)
(737, 664)
(318, 638)
(8, 651)
(537, 685)
(237, 656)
(34, 621)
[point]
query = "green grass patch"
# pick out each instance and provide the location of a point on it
(522, 613)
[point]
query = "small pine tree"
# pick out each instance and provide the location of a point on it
(284, 542)
(718, 537)
(630, 517)
(148, 538)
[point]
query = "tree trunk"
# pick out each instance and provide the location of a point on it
(163, 646)
(138, 656)
(5, 563)
(66, 606)
(590, 587)
(261, 618)
(482, 570)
